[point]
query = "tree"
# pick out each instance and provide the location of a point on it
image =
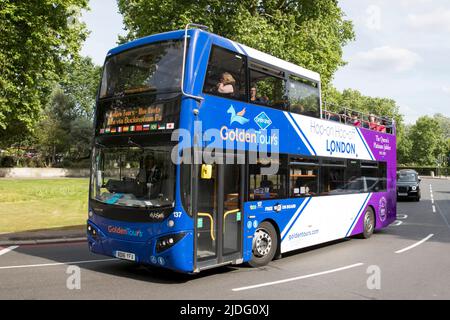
(80, 82)
(37, 39)
(428, 141)
(306, 32)
(444, 123)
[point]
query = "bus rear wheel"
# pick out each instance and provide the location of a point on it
(264, 245)
(369, 223)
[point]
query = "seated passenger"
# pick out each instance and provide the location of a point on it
(226, 84)
(355, 120)
(381, 126)
(254, 98)
(372, 123)
(266, 183)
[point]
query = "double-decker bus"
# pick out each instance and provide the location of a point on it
(208, 152)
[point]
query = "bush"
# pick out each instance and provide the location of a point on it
(7, 162)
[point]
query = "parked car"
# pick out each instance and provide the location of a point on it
(408, 184)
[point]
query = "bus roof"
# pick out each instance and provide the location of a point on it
(240, 48)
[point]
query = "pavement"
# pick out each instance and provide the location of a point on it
(67, 234)
(408, 260)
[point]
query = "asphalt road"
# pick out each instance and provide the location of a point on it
(408, 260)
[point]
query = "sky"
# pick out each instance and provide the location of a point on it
(401, 50)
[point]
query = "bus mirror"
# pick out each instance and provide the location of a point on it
(206, 171)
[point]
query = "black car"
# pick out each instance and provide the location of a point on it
(408, 185)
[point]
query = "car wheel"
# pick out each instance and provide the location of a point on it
(264, 245)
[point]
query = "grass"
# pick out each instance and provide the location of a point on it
(33, 204)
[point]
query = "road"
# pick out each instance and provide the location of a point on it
(408, 260)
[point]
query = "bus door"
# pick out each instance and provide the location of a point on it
(219, 214)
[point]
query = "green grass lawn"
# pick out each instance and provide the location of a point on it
(32, 204)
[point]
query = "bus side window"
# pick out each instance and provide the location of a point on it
(267, 89)
(304, 97)
(226, 75)
(264, 186)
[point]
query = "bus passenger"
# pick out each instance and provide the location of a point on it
(355, 120)
(381, 127)
(372, 123)
(254, 98)
(226, 84)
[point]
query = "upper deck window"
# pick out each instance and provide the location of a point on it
(226, 75)
(267, 88)
(304, 97)
(153, 68)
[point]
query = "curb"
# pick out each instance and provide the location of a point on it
(41, 241)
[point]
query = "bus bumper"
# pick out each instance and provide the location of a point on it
(179, 257)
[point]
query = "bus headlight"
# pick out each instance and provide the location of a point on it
(167, 242)
(92, 231)
(414, 188)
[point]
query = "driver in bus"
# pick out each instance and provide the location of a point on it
(151, 175)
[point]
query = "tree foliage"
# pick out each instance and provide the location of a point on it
(63, 133)
(80, 82)
(428, 141)
(37, 39)
(306, 32)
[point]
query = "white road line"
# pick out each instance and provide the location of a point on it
(434, 209)
(56, 264)
(297, 278)
(402, 216)
(415, 245)
(6, 250)
(396, 223)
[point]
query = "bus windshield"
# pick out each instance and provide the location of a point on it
(152, 68)
(133, 176)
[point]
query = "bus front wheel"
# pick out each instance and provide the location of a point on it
(264, 245)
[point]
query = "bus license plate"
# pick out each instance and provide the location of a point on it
(125, 255)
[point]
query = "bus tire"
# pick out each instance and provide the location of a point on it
(264, 245)
(369, 223)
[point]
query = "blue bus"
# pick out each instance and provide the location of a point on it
(208, 152)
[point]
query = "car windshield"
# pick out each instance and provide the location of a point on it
(133, 177)
(407, 177)
(153, 68)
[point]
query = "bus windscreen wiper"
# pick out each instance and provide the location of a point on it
(134, 143)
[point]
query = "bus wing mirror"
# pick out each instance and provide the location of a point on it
(206, 172)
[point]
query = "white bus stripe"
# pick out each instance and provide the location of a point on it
(291, 121)
(288, 226)
(298, 278)
(415, 245)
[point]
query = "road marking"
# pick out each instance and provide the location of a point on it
(297, 278)
(402, 216)
(434, 209)
(415, 245)
(56, 264)
(6, 250)
(396, 223)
